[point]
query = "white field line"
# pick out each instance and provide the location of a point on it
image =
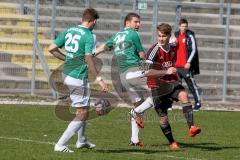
(184, 158)
(53, 143)
(26, 140)
(120, 105)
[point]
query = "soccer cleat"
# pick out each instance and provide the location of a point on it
(139, 122)
(140, 144)
(174, 146)
(197, 106)
(58, 148)
(137, 118)
(85, 144)
(193, 131)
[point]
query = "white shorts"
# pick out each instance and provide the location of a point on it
(136, 89)
(79, 91)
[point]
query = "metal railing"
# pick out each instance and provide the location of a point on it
(151, 17)
(226, 49)
(21, 6)
(38, 52)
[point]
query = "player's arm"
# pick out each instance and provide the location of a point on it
(173, 41)
(160, 73)
(188, 64)
(93, 70)
(54, 50)
(91, 65)
(151, 73)
(56, 44)
(107, 46)
(138, 44)
(101, 49)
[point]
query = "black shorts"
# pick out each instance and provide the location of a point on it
(184, 73)
(162, 103)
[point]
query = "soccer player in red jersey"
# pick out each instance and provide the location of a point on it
(163, 58)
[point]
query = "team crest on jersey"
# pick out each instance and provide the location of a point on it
(160, 58)
(167, 64)
(183, 40)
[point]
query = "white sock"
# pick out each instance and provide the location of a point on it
(72, 129)
(135, 131)
(81, 133)
(148, 103)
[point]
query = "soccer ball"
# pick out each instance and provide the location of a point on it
(102, 107)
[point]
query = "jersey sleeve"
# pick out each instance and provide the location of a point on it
(110, 43)
(152, 53)
(89, 44)
(137, 42)
(60, 40)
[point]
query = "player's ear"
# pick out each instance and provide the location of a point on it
(127, 23)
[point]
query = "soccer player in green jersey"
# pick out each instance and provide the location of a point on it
(129, 51)
(78, 41)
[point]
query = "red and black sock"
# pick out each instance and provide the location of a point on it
(166, 129)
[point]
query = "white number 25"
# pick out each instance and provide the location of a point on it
(72, 44)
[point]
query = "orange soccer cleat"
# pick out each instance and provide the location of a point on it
(193, 131)
(140, 144)
(174, 146)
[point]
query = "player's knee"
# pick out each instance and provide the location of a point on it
(164, 120)
(183, 97)
(82, 114)
(138, 103)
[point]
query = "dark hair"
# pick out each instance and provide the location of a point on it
(183, 21)
(90, 14)
(129, 17)
(164, 28)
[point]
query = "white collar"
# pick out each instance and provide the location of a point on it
(82, 26)
(159, 45)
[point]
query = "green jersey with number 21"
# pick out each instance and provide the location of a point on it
(126, 45)
(78, 41)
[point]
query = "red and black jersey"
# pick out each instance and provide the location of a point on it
(162, 60)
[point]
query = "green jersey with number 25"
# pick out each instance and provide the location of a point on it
(78, 41)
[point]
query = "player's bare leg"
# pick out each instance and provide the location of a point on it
(82, 141)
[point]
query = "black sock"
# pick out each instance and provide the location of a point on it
(188, 114)
(166, 129)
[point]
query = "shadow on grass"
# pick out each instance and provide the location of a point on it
(207, 146)
(133, 151)
(203, 146)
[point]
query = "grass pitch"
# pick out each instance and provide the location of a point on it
(29, 133)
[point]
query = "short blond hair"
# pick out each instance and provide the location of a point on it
(164, 28)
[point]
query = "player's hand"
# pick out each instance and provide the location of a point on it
(103, 86)
(187, 65)
(171, 70)
(142, 55)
